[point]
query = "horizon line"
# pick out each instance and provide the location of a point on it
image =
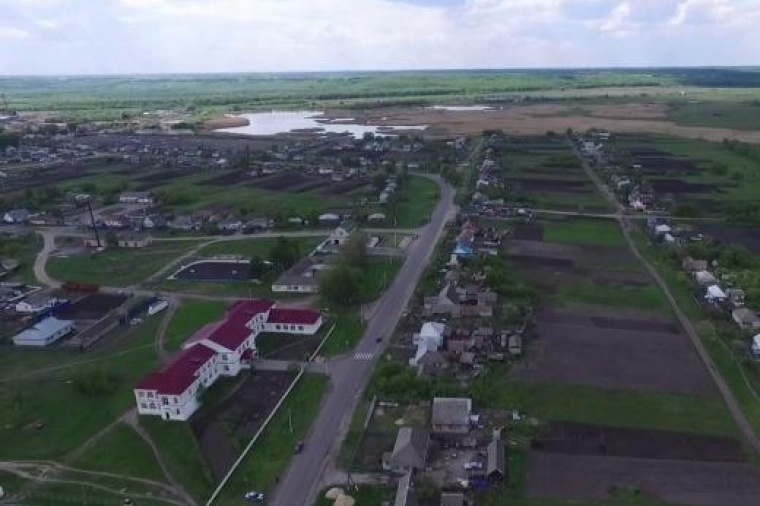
(388, 71)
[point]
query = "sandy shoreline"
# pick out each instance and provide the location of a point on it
(226, 122)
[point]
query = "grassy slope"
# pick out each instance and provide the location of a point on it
(190, 316)
(416, 203)
(274, 449)
(117, 266)
(584, 232)
(649, 297)
(122, 451)
(256, 246)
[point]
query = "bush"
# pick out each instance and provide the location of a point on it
(96, 382)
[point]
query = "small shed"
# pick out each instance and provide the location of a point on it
(715, 294)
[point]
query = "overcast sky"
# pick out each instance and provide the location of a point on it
(165, 36)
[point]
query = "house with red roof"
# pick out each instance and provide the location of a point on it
(223, 349)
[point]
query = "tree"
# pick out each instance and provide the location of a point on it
(340, 286)
(257, 267)
(284, 253)
(355, 252)
(112, 240)
(98, 382)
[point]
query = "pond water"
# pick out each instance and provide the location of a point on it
(279, 122)
(456, 108)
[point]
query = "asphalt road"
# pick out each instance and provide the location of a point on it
(298, 486)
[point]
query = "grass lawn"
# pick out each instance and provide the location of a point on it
(580, 202)
(649, 297)
(122, 451)
(378, 276)
(348, 331)
(68, 416)
(271, 454)
(584, 232)
(254, 246)
(182, 455)
(191, 316)
(64, 494)
(624, 408)
(364, 495)
(243, 289)
(23, 249)
(117, 266)
(416, 202)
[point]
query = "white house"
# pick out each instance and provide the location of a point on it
(222, 349)
(44, 332)
(430, 339)
(135, 198)
(339, 236)
(705, 278)
(715, 294)
(36, 303)
(756, 346)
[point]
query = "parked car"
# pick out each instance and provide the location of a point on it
(299, 447)
(471, 466)
(253, 496)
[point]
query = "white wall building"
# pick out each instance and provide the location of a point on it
(173, 392)
(44, 333)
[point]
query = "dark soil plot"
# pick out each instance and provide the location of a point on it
(237, 419)
(745, 235)
(575, 353)
(529, 231)
(286, 346)
(310, 186)
(661, 164)
(372, 448)
(92, 307)
(585, 439)
(530, 261)
(559, 476)
(227, 179)
(214, 271)
(634, 324)
(550, 185)
(644, 152)
(680, 186)
(280, 182)
(596, 256)
(159, 177)
(345, 187)
(617, 278)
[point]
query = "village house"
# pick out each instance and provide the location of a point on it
(428, 340)
(221, 349)
(134, 241)
(136, 198)
(301, 277)
(451, 415)
(405, 495)
(736, 296)
(705, 278)
(44, 332)
(715, 294)
(409, 451)
(16, 216)
(691, 265)
(36, 303)
(185, 223)
(496, 460)
(746, 319)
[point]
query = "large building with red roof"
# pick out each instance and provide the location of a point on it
(221, 350)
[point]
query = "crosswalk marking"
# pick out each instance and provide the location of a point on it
(363, 356)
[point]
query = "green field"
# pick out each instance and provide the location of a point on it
(256, 246)
(117, 266)
(189, 317)
(348, 331)
(122, 451)
(182, 455)
(649, 297)
(584, 232)
(271, 453)
(416, 202)
(622, 408)
(23, 249)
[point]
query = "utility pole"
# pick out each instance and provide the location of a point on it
(92, 223)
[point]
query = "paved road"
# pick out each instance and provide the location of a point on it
(298, 486)
(728, 397)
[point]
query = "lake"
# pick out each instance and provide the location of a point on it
(280, 122)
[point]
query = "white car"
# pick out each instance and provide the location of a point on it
(471, 466)
(254, 496)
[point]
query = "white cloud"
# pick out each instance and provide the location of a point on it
(281, 35)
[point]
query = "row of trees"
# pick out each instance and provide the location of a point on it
(283, 254)
(343, 284)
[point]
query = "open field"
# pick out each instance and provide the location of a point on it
(417, 200)
(561, 476)
(615, 353)
(117, 266)
(23, 249)
(274, 449)
(189, 317)
(583, 232)
(256, 246)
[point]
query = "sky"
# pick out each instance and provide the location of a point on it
(71, 37)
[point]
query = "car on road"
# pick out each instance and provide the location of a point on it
(379, 339)
(299, 447)
(472, 466)
(253, 496)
